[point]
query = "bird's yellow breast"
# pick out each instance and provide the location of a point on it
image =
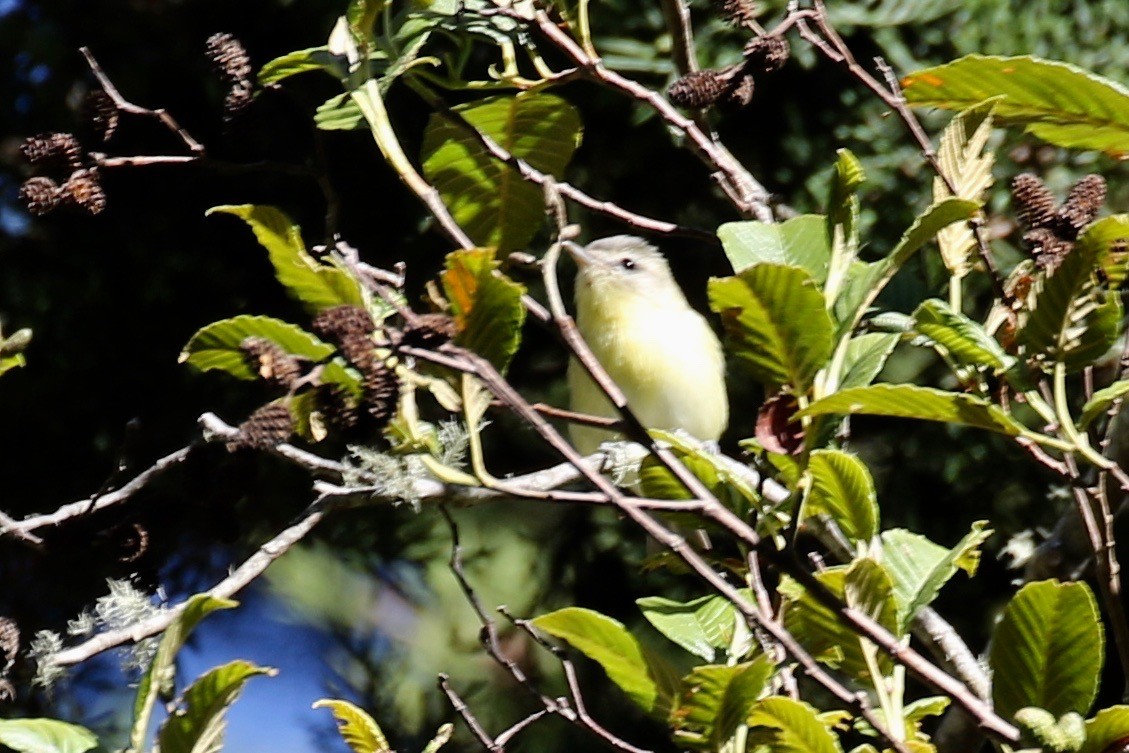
(664, 357)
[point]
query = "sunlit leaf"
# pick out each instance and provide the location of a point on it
(703, 626)
(866, 355)
(300, 61)
(963, 339)
(359, 730)
(797, 242)
(1107, 727)
(486, 305)
(489, 199)
(640, 675)
(1056, 102)
(788, 726)
(919, 568)
(911, 401)
(841, 487)
(715, 700)
(1110, 236)
(340, 113)
(843, 220)
(776, 322)
(1101, 402)
(316, 285)
(197, 725)
(969, 169)
(216, 346)
(45, 736)
(1047, 650)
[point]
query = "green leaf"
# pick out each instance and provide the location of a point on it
(486, 305)
(1056, 102)
(715, 700)
(9, 362)
(300, 61)
(216, 346)
(788, 726)
(487, 198)
(776, 321)
(1110, 235)
(362, 14)
(963, 339)
(866, 355)
(606, 641)
(969, 170)
(866, 281)
(45, 736)
(160, 677)
(843, 220)
(797, 242)
(1073, 320)
(865, 585)
(340, 113)
(919, 568)
(702, 626)
(1107, 727)
(1047, 650)
(843, 489)
(1101, 402)
(713, 469)
(359, 730)
(198, 724)
(316, 285)
(911, 401)
(890, 12)
(921, 709)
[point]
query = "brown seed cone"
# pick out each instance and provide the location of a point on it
(267, 427)
(53, 146)
(274, 365)
(9, 641)
(340, 410)
(350, 327)
(767, 54)
(237, 100)
(40, 195)
(740, 91)
(698, 89)
(84, 188)
(738, 12)
(229, 57)
(1034, 203)
(430, 331)
(1047, 248)
(102, 114)
(1082, 205)
(381, 392)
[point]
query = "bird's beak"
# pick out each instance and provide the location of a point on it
(578, 252)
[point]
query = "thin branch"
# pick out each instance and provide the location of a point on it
(251, 568)
(468, 717)
(23, 528)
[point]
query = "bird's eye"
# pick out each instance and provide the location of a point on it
(627, 263)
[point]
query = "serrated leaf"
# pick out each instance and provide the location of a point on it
(797, 242)
(1047, 650)
(919, 568)
(776, 323)
(865, 281)
(198, 724)
(316, 285)
(339, 113)
(158, 679)
(963, 339)
(359, 730)
(1101, 402)
(713, 470)
(702, 626)
(642, 676)
(715, 700)
(843, 220)
(866, 355)
(45, 736)
(966, 166)
(1056, 102)
(842, 488)
(216, 346)
(789, 726)
(1111, 237)
(486, 305)
(1072, 319)
(911, 401)
(864, 585)
(487, 198)
(1107, 727)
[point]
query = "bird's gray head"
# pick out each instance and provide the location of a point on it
(623, 265)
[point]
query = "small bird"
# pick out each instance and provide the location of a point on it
(660, 351)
